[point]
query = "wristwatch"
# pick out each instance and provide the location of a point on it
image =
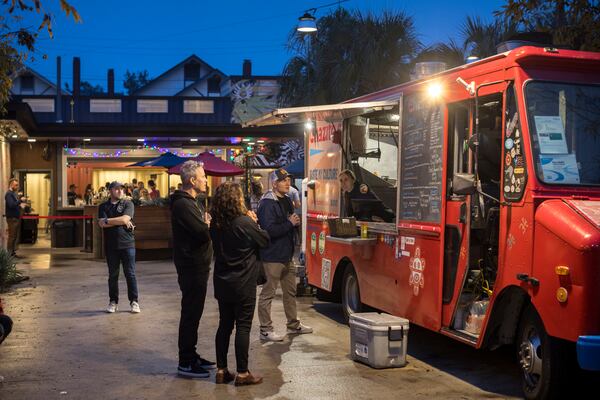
(106, 220)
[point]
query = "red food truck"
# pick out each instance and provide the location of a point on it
(477, 191)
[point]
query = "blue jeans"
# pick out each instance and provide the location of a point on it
(114, 258)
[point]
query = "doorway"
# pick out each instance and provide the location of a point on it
(37, 187)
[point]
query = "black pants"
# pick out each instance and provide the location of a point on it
(192, 282)
(239, 313)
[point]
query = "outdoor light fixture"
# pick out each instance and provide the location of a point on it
(15, 136)
(471, 59)
(260, 141)
(395, 117)
(141, 140)
(434, 90)
(193, 140)
(87, 140)
(308, 125)
(307, 22)
(251, 143)
(245, 140)
(31, 140)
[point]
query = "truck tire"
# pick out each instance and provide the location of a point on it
(544, 361)
(350, 293)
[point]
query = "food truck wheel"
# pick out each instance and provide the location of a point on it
(543, 360)
(350, 293)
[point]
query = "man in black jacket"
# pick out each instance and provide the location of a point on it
(276, 216)
(13, 206)
(192, 254)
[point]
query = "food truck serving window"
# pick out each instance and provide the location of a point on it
(372, 147)
(421, 159)
(564, 123)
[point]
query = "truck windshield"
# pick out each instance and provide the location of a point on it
(564, 123)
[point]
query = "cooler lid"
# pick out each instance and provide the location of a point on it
(377, 319)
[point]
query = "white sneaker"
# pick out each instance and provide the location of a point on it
(135, 307)
(270, 337)
(301, 329)
(112, 307)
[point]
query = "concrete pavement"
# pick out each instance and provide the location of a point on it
(64, 346)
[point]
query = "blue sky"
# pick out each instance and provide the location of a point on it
(156, 35)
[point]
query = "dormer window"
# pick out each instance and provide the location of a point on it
(191, 71)
(27, 84)
(214, 86)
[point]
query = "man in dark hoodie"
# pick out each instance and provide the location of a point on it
(276, 216)
(192, 254)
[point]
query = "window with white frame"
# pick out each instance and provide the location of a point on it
(198, 106)
(40, 105)
(105, 105)
(152, 106)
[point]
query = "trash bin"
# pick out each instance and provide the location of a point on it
(63, 233)
(378, 340)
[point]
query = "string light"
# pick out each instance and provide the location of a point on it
(123, 153)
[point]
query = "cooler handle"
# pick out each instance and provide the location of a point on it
(395, 335)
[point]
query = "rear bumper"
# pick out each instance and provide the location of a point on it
(588, 352)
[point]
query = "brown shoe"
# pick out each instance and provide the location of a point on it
(223, 376)
(248, 380)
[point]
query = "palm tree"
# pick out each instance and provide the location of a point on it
(352, 54)
(481, 38)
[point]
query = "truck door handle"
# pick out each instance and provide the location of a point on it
(463, 213)
(528, 279)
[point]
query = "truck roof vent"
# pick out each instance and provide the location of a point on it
(537, 39)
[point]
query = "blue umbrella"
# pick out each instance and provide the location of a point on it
(296, 168)
(167, 160)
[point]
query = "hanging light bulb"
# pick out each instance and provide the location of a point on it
(307, 22)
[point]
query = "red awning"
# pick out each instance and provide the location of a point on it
(213, 166)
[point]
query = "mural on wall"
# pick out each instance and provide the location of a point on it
(273, 155)
(253, 98)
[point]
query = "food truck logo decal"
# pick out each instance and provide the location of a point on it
(417, 267)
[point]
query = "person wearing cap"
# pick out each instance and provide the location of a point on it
(352, 189)
(71, 194)
(115, 218)
(276, 216)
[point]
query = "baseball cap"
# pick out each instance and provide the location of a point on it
(114, 184)
(278, 175)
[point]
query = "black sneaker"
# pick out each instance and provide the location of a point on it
(205, 363)
(192, 371)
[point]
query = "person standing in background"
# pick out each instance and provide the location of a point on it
(115, 218)
(154, 192)
(71, 195)
(13, 206)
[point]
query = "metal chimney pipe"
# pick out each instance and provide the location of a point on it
(59, 118)
(76, 76)
(111, 82)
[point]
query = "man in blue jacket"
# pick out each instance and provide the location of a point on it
(276, 216)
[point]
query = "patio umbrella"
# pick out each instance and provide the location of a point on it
(167, 160)
(296, 168)
(213, 166)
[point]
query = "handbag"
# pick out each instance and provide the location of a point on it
(261, 276)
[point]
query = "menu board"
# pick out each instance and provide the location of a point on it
(421, 159)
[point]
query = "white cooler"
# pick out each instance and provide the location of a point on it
(378, 340)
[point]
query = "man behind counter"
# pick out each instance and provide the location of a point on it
(354, 190)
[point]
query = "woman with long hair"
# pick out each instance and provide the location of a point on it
(236, 239)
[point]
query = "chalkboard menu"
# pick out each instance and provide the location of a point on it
(421, 159)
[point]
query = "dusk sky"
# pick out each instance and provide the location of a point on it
(156, 35)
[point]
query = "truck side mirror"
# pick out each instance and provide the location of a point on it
(473, 142)
(463, 184)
